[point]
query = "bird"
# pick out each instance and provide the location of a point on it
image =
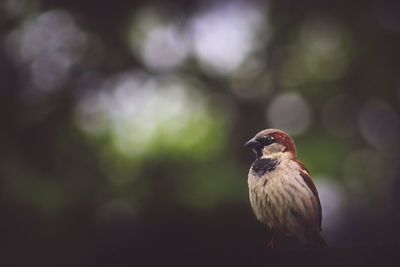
(282, 193)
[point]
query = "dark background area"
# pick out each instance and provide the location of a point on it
(123, 124)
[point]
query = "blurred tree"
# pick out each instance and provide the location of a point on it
(123, 124)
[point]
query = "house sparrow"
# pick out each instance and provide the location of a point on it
(282, 193)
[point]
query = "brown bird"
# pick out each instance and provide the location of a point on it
(282, 193)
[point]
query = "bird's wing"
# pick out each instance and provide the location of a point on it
(308, 180)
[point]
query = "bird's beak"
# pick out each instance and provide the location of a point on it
(251, 143)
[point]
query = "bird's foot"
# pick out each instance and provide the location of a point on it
(271, 244)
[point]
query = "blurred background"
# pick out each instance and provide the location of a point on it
(123, 124)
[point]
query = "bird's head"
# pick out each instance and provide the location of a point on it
(271, 141)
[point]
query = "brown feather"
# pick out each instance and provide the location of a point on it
(286, 141)
(308, 180)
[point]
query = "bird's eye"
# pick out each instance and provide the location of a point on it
(267, 140)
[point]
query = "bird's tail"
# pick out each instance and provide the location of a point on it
(315, 239)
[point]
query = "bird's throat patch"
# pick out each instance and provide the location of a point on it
(262, 166)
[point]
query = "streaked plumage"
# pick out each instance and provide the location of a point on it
(282, 193)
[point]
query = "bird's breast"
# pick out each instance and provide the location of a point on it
(263, 198)
(280, 198)
(263, 166)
